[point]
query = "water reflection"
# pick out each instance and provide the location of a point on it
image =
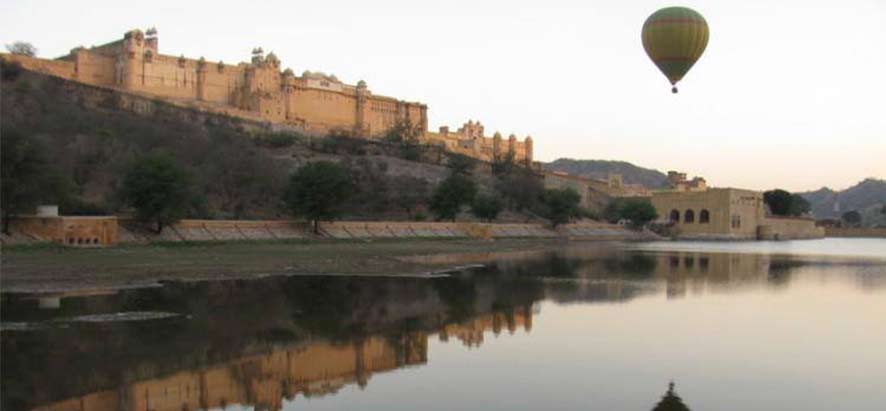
(272, 343)
(255, 343)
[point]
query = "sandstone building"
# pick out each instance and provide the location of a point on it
(313, 103)
(727, 214)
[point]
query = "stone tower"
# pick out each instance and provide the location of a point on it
(130, 60)
(496, 147)
(361, 128)
(527, 147)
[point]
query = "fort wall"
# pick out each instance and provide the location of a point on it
(313, 103)
(789, 228)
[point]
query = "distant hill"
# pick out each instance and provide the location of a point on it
(631, 174)
(827, 203)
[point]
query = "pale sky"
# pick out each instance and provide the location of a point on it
(789, 93)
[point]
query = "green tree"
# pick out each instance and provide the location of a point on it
(639, 211)
(853, 218)
(451, 195)
(486, 207)
(783, 203)
(779, 201)
(561, 205)
(158, 188)
(316, 191)
(24, 174)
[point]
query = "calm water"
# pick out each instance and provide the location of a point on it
(762, 326)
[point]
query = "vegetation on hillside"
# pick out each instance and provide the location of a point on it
(486, 207)
(867, 194)
(631, 174)
(84, 154)
(26, 178)
(451, 195)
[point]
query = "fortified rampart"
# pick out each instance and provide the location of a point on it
(313, 103)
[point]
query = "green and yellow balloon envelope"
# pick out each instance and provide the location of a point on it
(674, 38)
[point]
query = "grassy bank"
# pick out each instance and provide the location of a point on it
(36, 268)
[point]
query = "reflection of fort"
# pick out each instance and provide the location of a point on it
(700, 272)
(471, 332)
(265, 380)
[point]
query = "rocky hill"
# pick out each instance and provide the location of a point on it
(601, 169)
(867, 194)
(238, 169)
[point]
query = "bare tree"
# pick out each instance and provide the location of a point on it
(22, 48)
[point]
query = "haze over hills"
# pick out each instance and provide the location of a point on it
(827, 203)
(631, 174)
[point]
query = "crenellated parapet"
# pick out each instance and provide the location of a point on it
(471, 141)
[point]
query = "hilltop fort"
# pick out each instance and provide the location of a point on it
(312, 103)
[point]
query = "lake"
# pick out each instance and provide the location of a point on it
(759, 325)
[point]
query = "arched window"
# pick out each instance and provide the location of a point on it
(675, 216)
(689, 217)
(704, 217)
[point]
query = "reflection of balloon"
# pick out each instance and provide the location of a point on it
(674, 38)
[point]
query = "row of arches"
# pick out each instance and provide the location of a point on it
(82, 241)
(704, 216)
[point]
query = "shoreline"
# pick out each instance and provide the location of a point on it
(54, 269)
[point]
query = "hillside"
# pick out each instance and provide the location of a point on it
(602, 168)
(827, 203)
(238, 169)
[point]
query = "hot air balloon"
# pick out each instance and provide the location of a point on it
(674, 38)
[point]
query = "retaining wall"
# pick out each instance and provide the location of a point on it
(855, 232)
(216, 230)
(788, 228)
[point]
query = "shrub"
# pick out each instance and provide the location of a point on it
(451, 195)
(279, 140)
(639, 211)
(561, 205)
(486, 207)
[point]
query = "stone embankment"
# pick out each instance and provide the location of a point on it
(214, 230)
(855, 232)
